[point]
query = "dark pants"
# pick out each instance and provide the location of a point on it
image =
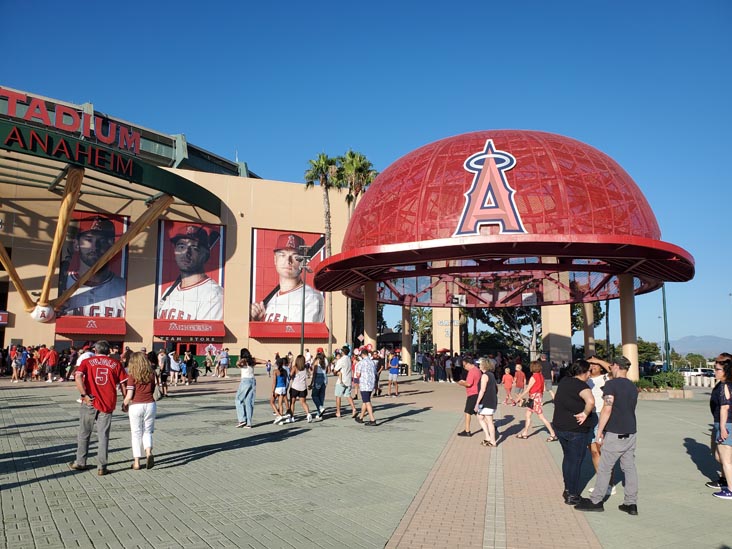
(574, 447)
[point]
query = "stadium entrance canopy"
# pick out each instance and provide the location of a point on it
(502, 219)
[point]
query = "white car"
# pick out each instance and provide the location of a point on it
(690, 372)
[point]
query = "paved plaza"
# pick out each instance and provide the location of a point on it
(407, 483)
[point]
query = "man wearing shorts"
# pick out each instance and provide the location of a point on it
(472, 386)
(394, 374)
(366, 374)
(343, 386)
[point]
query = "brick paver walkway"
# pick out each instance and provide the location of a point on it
(409, 482)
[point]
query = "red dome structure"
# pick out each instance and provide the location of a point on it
(504, 218)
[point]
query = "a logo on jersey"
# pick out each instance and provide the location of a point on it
(489, 201)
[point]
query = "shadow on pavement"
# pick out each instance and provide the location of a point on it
(187, 455)
(702, 457)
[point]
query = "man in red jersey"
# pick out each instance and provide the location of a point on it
(97, 379)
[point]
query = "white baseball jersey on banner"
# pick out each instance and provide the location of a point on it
(287, 306)
(202, 301)
(106, 299)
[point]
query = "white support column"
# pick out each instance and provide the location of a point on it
(627, 324)
(407, 337)
(369, 314)
(588, 318)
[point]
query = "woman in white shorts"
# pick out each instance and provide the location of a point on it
(487, 401)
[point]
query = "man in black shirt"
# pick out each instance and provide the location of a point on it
(616, 434)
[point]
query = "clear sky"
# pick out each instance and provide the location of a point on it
(648, 83)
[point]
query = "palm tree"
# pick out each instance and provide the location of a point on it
(355, 174)
(324, 170)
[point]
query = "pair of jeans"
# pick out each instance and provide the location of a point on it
(574, 446)
(318, 389)
(142, 426)
(245, 400)
(87, 416)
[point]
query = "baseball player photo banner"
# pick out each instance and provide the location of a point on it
(280, 285)
(98, 306)
(190, 280)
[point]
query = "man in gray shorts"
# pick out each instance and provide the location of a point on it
(344, 372)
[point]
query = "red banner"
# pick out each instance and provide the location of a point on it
(3, 318)
(91, 325)
(189, 328)
(287, 330)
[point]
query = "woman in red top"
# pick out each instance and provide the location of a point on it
(142, 408)
(535, 390)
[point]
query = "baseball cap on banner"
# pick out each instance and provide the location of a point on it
(289, 242)
(96, 224)
(192, 232)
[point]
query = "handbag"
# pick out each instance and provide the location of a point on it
(529, 403)
(158, 393)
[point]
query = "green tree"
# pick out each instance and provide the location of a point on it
(578, 321)
(519, 327)
(354, 173)
(422, 325)
(696, 360)
(324, 170)
(648, 351)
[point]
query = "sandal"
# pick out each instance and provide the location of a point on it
(522, 436)
(488, 443)
(552, 439)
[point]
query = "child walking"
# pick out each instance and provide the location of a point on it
(507, 385)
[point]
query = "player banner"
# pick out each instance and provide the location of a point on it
(189, 299)
(89, 236)
(280, 284)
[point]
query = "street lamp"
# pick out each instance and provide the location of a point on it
(303, 258)
(667, 350)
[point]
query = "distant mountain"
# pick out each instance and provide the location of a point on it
(707, 346)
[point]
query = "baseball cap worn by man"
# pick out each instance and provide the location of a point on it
(623, 362)
(289, 242)
(96, 224)
(191, 232)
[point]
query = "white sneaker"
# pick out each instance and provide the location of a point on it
(310, 418)
(277, 420)
(290, 420)
(49, 381)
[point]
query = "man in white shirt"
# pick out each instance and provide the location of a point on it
(344, 372)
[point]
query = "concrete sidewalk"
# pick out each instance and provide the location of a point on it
(409, 482)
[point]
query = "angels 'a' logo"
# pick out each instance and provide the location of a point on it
(489, 201)
(91, 324)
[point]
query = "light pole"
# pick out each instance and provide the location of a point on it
(667, 350)
(303, 259)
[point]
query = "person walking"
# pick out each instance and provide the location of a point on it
(507, 382)
(471, 384)
(487, 401)
(393, 374)
(141, 408)
(318, 384)
(720, 404)
(97, 379)
(343, 370)
(244, 400)
(299, 389)
(278, 400)
(616, 434)
(366, 374)
(574, 416)
(519, 379)
(535, 391)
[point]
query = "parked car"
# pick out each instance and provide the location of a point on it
(690, 372)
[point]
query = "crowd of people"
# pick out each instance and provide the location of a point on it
(594, 404)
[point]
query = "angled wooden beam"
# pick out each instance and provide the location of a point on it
(74, 178)
(144, 221)
(15, 279)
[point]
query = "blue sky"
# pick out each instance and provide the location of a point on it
(648, 83)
